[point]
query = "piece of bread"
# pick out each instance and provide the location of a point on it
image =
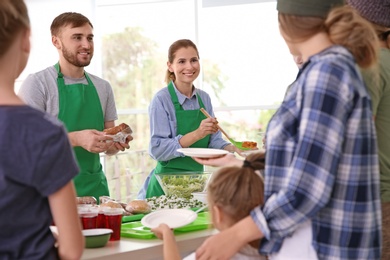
(86, 200)
(138, 207)
(249, 144)
(117, 129)
(112, 204)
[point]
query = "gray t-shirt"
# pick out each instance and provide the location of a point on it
(40, 91)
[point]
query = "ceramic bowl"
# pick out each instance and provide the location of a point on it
(96, 237)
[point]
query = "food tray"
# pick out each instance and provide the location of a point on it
(135, 217)
(136, 230)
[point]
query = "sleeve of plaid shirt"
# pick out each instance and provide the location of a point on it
(304, 148)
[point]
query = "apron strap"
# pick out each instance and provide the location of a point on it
(175, 99)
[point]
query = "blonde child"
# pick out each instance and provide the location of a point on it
(232, 193)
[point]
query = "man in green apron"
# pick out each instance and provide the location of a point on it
(83, 102)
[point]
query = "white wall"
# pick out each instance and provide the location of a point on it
(42, 13)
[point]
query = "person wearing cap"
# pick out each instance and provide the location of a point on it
(322, 197)
(378, 84)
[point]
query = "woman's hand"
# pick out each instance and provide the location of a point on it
(207, 126)
(228, 242)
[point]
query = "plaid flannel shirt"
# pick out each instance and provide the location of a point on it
(322, 163)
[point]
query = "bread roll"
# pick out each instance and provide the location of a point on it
(86, 200)
(138, 207)
(104, 199)
(117, 129)
(112, 204)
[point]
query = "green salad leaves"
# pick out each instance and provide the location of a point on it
(182, 186)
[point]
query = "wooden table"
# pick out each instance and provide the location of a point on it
(144, 249)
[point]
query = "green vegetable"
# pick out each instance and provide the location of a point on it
(183, 186)
(173, 202)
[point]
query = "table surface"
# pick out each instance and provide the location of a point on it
(130, 248)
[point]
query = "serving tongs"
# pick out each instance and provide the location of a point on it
(235, 143)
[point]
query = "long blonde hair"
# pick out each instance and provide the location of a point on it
(343, 25)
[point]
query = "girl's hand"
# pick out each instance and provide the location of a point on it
(161, 230)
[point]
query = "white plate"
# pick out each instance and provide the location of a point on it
(174, 218)
(202, 152)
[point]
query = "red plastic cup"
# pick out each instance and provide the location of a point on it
(101, 220)
(88, 217)
(113, 220)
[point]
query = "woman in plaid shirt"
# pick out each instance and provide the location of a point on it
(322, 173)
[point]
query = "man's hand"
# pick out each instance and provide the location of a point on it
(91, 140)
(116, 147)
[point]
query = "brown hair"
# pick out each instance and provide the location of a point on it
(344, 27)
(69, 18)
(183, 43)
(238, 190)
(13, 19)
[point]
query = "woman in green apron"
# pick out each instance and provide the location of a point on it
(176, 120)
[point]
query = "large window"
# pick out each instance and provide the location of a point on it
(246, 65)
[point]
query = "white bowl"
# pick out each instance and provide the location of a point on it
(96, 237)
(201, 196)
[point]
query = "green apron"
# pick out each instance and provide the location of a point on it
(187, 121)
(80, 109)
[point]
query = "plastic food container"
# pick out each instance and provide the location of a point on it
(182, 184)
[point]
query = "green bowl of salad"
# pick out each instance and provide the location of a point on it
(183, 184)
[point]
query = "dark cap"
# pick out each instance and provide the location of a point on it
(375, 11)
(316, 8)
